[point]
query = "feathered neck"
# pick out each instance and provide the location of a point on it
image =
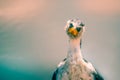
(74, 51)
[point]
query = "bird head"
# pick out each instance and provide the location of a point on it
(74, 28)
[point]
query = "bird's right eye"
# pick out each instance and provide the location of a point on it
(71, 25)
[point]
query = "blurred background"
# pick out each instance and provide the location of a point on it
(33, 40)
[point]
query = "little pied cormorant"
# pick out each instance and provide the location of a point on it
(74, 66)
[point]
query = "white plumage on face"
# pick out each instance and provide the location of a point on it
(74, 28)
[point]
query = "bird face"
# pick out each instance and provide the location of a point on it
(74, 28)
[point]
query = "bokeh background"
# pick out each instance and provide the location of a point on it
(33, 40)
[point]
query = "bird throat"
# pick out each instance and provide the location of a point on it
(74, 52)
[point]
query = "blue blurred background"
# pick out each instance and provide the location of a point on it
(33, 40)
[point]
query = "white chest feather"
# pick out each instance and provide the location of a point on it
(78, 72)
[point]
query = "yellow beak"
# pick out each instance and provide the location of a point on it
(73, 31)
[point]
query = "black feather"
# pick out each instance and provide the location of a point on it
(80, 43)
(55, 75)
(97, 76)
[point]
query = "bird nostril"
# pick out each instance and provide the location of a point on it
(71, 25)
(78, 29)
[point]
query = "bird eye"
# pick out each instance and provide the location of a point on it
(71, 25)
(78, 29)
(82, 24)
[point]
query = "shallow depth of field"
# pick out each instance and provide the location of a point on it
(33, 40)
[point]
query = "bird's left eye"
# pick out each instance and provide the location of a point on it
(78, 29)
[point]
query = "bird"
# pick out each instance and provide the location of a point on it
(75, 66)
